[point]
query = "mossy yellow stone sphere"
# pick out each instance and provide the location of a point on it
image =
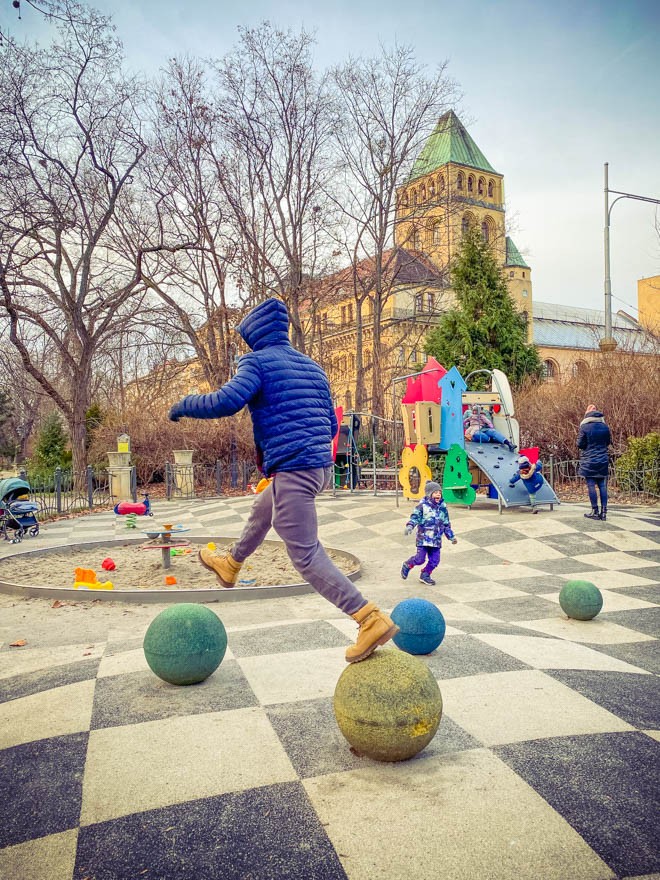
(388, 706)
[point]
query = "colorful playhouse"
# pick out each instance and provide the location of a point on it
(433, 408)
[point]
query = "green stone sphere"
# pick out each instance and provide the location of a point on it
(388, 706)
(185, 643)
(580, 600)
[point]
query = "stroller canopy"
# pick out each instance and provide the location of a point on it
(13, 486)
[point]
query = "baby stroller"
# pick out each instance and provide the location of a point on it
(17, 512)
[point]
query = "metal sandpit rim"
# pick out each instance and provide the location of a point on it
(200, 594)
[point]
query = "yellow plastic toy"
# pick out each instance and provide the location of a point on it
(86, 578)
(414, 458)
(264, 483)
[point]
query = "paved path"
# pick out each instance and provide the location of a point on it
(545, 765)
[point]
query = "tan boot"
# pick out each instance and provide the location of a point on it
(376, 628)
(225, 567)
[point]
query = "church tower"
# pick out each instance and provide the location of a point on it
(453, 187)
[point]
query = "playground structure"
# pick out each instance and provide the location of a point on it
(433, 408)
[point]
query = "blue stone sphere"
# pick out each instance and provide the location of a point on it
(580, 600)
(421, 624)
(185, 643)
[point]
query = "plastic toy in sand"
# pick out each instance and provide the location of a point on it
(162, 539)
(139, 508)
(86, 578)
(388, 706)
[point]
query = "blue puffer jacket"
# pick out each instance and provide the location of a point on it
(593, 440)
(432, 521)
(287, 393)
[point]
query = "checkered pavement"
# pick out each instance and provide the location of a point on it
(545, 764)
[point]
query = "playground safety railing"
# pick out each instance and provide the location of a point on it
(64, 491)
(637, 484)
(187, 481)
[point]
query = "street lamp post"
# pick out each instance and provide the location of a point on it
(609, 343)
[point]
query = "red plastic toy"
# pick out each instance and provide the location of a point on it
(108, 564)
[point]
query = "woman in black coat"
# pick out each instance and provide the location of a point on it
(593, 440)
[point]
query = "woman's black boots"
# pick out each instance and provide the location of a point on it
(594, 514)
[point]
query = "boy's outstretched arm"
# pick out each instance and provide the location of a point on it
(226, 401)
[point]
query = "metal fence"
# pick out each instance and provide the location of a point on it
(639, 483)
(186, 481)
(64, 491)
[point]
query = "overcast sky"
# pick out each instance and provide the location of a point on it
(551, 91)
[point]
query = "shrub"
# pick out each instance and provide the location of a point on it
(638, 469)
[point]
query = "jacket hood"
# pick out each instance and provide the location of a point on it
(594, 416)
(267, 324)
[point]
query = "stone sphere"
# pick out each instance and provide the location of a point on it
(185, 643)
(580, 600)
(421, 626)
(388, 706)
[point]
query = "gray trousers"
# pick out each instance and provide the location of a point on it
(288, 505)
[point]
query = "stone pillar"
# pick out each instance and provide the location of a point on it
(184, 475)
(119, 468)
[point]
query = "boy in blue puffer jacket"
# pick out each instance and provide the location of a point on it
(432, 520)
(293, 421)
(532, 479)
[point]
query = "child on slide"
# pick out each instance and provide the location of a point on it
(531, 476)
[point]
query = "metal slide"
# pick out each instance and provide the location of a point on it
(500, 465)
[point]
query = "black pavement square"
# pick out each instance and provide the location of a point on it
(643, 620)
(268, 833)
(462, 655)
(562, 566)
(647, 594)
(490, 536)
(646, 655)
(281, 639)
(41, 785)
(575, 544)
(543, 583)
(45, 679)
(605, 786)
(141, 696)
(650, 555)
(526, 607)
(635, 698)
(581, 524)
(500, 627)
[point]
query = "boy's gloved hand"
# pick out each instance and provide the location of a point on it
(512, 485)
(454, 540)
(408, 530)
(175, 413)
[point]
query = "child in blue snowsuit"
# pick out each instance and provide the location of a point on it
(532, 478)
(432, 520)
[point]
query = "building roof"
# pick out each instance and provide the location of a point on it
(513, 256)
(449, 142)
(400, 266)
(558, 326)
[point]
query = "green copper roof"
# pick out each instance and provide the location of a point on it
(513, 257)
(449, 142)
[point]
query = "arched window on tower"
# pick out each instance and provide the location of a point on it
(422, 193)
(404, 200)
(481, 186)
(550, 370)
(470, 184)
(431, 189)
(460, 180)
(414, 197)
(490, 189)
(436, 233)
(485, 231)
(441, 183)
(415, 242)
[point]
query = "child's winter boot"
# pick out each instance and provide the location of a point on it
(405, 570)
(426, 578)
(376, 629)
(225, 568)
(593, 515)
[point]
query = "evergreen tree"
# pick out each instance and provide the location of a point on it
(51, 449)
(483, 330)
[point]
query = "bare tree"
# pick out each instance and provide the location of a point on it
(276, 121)
(190, 276)
(390, 106)
(70, 144)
